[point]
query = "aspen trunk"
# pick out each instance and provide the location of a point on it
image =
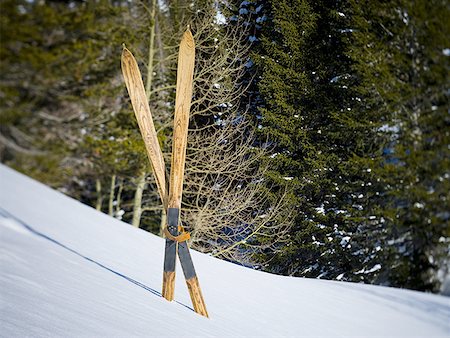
(98, 189)
(137, 207)
(163, 222)
(119, 196)
(111, 196)
(151, 50)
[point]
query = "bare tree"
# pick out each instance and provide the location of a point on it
(227, 208)
(225, 202)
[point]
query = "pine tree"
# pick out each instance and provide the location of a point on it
(323, 145)
(63, 115)
(345, 94)
(399, 50)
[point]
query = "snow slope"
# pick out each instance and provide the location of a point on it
(69, 271)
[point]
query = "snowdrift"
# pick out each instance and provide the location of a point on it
(69, 271)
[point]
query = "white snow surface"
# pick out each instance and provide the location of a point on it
(70, 271)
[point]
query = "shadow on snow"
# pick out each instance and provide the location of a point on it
(54, 241)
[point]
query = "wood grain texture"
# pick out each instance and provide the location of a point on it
(196, 296)
(135, 86)
(168, 289)
(185, 73)
(133, 80)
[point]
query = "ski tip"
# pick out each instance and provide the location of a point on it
(188, 39)
(126, 54)
(127, 59)
(125, 50)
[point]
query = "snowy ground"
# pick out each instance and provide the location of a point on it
(68, 271)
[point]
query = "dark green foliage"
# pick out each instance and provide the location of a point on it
(318, 136)
(65, 115)
(399, 52)
(352, 98)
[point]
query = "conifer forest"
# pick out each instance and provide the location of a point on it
(319, 134)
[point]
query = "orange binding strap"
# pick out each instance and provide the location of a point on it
(182, 237)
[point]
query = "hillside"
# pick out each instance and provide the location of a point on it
(69, 271)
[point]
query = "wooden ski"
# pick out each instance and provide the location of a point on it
(135, 86)
(171, 202)
(185, 73)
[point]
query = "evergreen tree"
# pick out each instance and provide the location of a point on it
(64, 120)
(345, 93)
(308, 107)
(399, 51)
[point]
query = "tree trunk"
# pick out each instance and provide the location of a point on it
(137, 208)
(163, 222)
(119, 196)
(151, 50)
(148, 86)
(111, 196)
(98, 189)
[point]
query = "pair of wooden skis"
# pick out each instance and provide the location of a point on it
(170, 194)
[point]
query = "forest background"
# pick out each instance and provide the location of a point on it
(319, 134)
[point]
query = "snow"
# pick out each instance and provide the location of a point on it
(320, 210)
(346, 30)
(388, 128)
(220, 18)
(376, 267)
(249, 63)
(245, 3)
(335, 79)
(70, 271)
(243, 11)
(261, 19)
(345, 240)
